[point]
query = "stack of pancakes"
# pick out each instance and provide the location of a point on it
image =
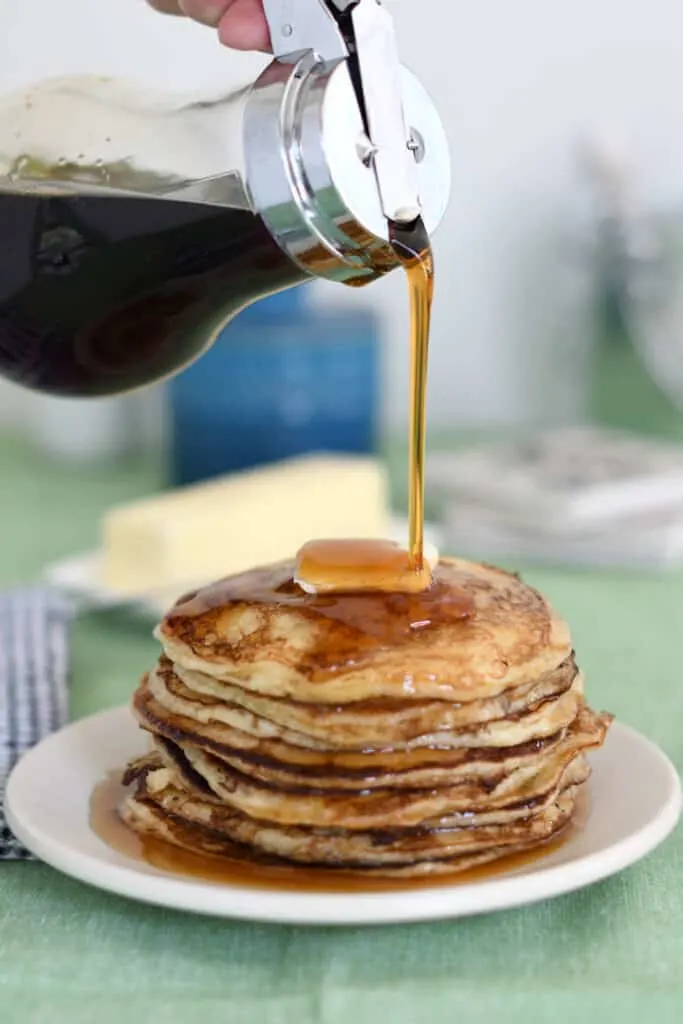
(382, 734)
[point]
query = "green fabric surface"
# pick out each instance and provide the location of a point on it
(70, 953)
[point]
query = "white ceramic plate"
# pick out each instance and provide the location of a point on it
(47, 805)
(81, 577)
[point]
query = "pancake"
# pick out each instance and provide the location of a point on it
(274, 761)
(540, 720)
(387, 734)
(518, 799)
(380, 807)
(147, 818)
(260, 631)
(158, 792)
(368, 723)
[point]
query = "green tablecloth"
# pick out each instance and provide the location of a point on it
(69, 953)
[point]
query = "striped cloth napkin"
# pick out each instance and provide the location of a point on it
(34, 640)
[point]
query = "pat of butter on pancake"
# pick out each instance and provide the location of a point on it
(352, 566)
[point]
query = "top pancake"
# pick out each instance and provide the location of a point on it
(261, 631)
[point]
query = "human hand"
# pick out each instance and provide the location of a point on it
(241, 24)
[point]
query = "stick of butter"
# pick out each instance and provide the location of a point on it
(231, 524)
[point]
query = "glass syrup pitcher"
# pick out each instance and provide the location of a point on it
(134, 227)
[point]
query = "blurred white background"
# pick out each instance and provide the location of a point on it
(519, 85)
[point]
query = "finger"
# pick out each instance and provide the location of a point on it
(208, 12)
(165, 6)
(243, 26)
(242, 23)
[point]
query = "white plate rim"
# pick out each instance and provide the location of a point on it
(267, 905)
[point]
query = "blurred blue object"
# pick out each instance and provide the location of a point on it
(282, 380)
